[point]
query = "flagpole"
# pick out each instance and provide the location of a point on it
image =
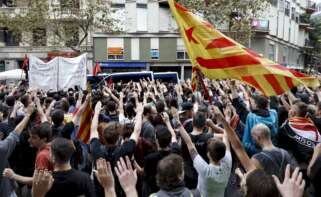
(201, 81)
(103, 80)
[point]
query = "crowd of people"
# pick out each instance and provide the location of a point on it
(159, 139)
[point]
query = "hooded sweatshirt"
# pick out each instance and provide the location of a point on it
(267, 117)
(6, 148)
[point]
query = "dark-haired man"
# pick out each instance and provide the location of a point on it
(67, 181)
(111, 134)
(200, 139)
(170, 178)
(166, 144)
(186, 116)
(298, 134)
(212, 177)
(39, 138)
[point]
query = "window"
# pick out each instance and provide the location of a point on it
(287, 8)
(141, 17)
(2, 35)
(118, 12)
(6, 3)
(181, 53)
(135, 49)
(154, 54)
(281, 5)
(2, 66)
(165, 18)
(154, 51)
(39, 37)
(297, 17)
(68, 4)
(141, 5)
(293, 13)
(115, 48)
(71, 34)
(272, 52)
(117, 5)
(285, 55)
(9, 38)
(141, 1)
(274, 3)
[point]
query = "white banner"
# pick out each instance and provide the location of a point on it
(72, 72)
(58, 74)
(43, 75)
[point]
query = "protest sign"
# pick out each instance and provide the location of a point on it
(58, 74)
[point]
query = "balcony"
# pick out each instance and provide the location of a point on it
(308, 44)
(304, 21)
(260, 26)
(13, 10)
(311, 7)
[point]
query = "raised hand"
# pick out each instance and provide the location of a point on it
(218, 114)
(127, 176)
(139, 108)
(31, 108)
(104, 174)
(292, 186)
(165, 117)
(42, 183)
(174, 112)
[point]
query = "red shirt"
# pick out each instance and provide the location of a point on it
(43, 160)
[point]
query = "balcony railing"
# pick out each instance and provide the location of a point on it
(304, 21)
(13, 10)
(308, 44)
(311, 7)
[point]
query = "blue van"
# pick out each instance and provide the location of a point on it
(171, 77)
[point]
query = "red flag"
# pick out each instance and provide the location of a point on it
(110, 82)
(25, 63)
(96, 69)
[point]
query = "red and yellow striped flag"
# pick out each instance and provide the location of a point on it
(85, 122)
(219, 57)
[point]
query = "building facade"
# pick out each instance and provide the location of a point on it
(13, 50)
(285, 35)
(152, 42)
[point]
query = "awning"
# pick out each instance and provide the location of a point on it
(122, 64)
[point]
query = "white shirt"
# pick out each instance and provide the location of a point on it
(213, 179)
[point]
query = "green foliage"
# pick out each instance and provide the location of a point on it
(235, 13)
(67, 23)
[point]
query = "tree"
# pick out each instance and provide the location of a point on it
(235, 14)
(65, 24)
(315, 37)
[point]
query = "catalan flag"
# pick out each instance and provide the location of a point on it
(220, 57)
(85, 122)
